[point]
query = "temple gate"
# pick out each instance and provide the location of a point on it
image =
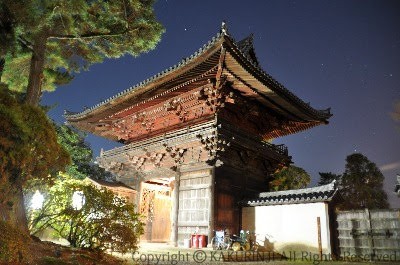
(198, 137)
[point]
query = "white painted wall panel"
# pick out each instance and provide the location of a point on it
(292, 226)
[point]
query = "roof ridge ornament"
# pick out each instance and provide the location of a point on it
(224, 28)
(251, 39)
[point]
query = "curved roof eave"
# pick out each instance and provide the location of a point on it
(164, 76)
(280, 90)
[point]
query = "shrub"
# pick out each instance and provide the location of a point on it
(103, 221)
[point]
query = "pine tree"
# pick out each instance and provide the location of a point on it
(362, 185)
(82, 165)
(52, 39)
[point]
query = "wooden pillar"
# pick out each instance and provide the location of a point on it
(211, 195)
(138, 188)
(319, 237)
(175, 210)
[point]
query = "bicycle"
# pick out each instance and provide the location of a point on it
(241, 242)
(221, 241)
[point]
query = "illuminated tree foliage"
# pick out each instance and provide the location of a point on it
(289, 178)
(49, 40)
(82, 165)
(362, 184)
(28, 149)
(104, 221)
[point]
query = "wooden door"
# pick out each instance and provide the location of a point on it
(161, 227)
(225, 209)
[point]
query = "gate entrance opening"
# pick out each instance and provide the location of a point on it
(155, 207)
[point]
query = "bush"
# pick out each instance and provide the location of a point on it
(104, 221)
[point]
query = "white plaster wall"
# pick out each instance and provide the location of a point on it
(292, 225)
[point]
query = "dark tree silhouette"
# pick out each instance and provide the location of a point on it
(327, 177)
(362, 185)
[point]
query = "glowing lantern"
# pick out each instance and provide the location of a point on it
(37, 200)
(78, 200)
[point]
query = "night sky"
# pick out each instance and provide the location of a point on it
(339, 54)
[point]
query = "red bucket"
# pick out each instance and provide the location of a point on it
(195, 241)
(202, 241)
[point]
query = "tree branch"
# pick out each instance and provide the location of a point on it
(89, 35)
(25, 43)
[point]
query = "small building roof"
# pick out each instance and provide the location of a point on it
(111, 184)
(308, 195)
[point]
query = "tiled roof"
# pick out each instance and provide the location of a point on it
(244, 47)
(247, 48)
(183, 62)
(307, 195)
(113, 184)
